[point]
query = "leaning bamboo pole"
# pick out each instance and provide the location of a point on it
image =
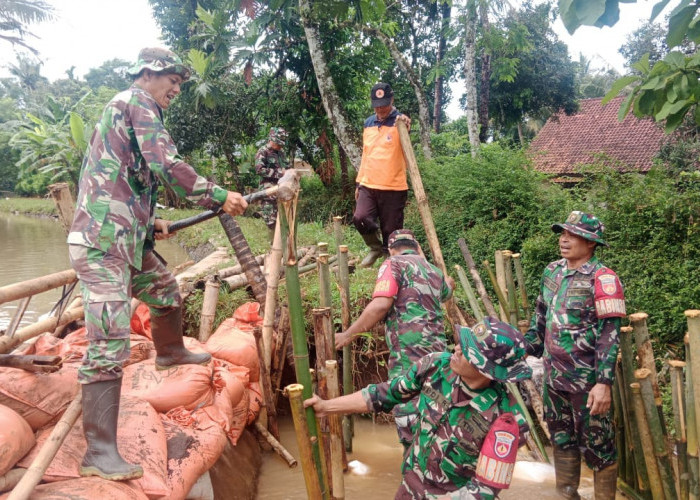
(502, 300)
(499, 264)
(510, 286)
(337, 481)
(652, 468)
(348, 387)
(266, 386)
(209, 302)
(619, 421)
(35, 286)
(287, 211)
(43, 326)
(679, 421)
(691, 429)
(658, 438)
(11, 478)
(468, 290)
(41, 462)
(272, 270)
(471, 265)
(645, 353)
(277, 446)
(521, 285)
(309, 463)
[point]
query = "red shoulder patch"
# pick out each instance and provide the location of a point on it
(386, 285)
(609, 295)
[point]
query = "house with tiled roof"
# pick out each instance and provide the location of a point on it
(594, 135)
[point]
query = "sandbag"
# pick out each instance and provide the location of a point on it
(16, 438)
(189, 386)
(231, 378)
(141, 440)
(256, 401)
(140, 345)
(235, 346)
(239, 419)
(85, 488)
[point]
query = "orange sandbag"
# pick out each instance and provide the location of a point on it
(191, 451)
(247, 316)
(229, 377)
(239, 419)
(184, 385)
(85, 488)
(141, 321)
(235, 346)
(48, 345)
(141, 346)
(141, 440)
(256, 401)
(16, 438)
(39, 398)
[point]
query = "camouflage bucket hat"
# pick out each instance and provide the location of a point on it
(496, 349)
(401, 235)
(278, 135)
(587, 226)
(160, 60)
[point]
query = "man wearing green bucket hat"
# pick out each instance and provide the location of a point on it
(575, 329)
(111, 246)
(469, 425)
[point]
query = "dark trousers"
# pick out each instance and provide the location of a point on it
(378, 203)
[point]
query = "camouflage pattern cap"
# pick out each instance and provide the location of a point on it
(158, 59)
(278, 135)
(587, 226)
(496, 349)
(401, 235)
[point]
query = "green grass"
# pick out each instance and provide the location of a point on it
(28, 206)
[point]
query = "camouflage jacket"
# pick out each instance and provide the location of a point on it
(270, 165)
(454, 421)
(576, 325)
(129, 153)
(414, 324)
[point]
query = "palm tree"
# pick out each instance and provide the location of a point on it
(15, 15)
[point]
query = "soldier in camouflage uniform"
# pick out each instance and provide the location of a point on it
(270, 164)
(470, 426)
(111, 245)
(408, 293)
(576, 330)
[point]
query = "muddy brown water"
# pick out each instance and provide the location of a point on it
(31, 247)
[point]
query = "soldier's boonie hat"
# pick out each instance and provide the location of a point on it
(278, 135)
(381, 95)
(401, 235)
(587, 226)
(496, 349)
(160, 60)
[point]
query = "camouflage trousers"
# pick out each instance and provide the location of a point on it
(572, 426)
(268, 207)
(108, 283)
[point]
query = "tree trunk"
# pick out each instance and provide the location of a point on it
(331, 102)
(485, 75)
(233, 166)
(344, 177)
(470, 76)
(446, 11)
(423, 109)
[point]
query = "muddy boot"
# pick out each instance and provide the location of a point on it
(170, 348)
(605, 482)
(567, 466)
(374, 242)
(100, 415)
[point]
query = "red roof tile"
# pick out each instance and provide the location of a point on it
(593, 134)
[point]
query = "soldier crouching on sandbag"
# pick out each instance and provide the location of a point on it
(469, 428)
(111, 246)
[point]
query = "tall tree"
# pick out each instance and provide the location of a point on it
(440, 79)
(471, 20)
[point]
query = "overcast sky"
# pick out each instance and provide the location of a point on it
(87, 33)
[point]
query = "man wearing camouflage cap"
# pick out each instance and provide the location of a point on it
(408, 293)
(111, 244)
(470, 426)
(270, 164)
(576, 330)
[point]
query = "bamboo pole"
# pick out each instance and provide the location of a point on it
(35, 286)
(679, 420)
(43, 326)
(41, 462)
(652, 467)
(65, 205)
(628, 491)
(628, 368)
(453, 314)
(338, 231)
(499, 264)
(658, 438)
(471, 296)
(510, 286)
(645, 353)
(314, 488)
(287, 211)
(324, 279)
(348, 387)
(277, 446)
(619, 418)
(521, 285)
(337, 481)
(17, 318)
(691, 429)
(266, 385)
(272, 271)
(471, 265)
(209, 302)
(502, 300)
(323, 335)
(280, 351)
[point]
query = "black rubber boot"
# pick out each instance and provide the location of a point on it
(567, 466)
(170, 348)
(374, 242)
(100, 415)
(605, 482)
